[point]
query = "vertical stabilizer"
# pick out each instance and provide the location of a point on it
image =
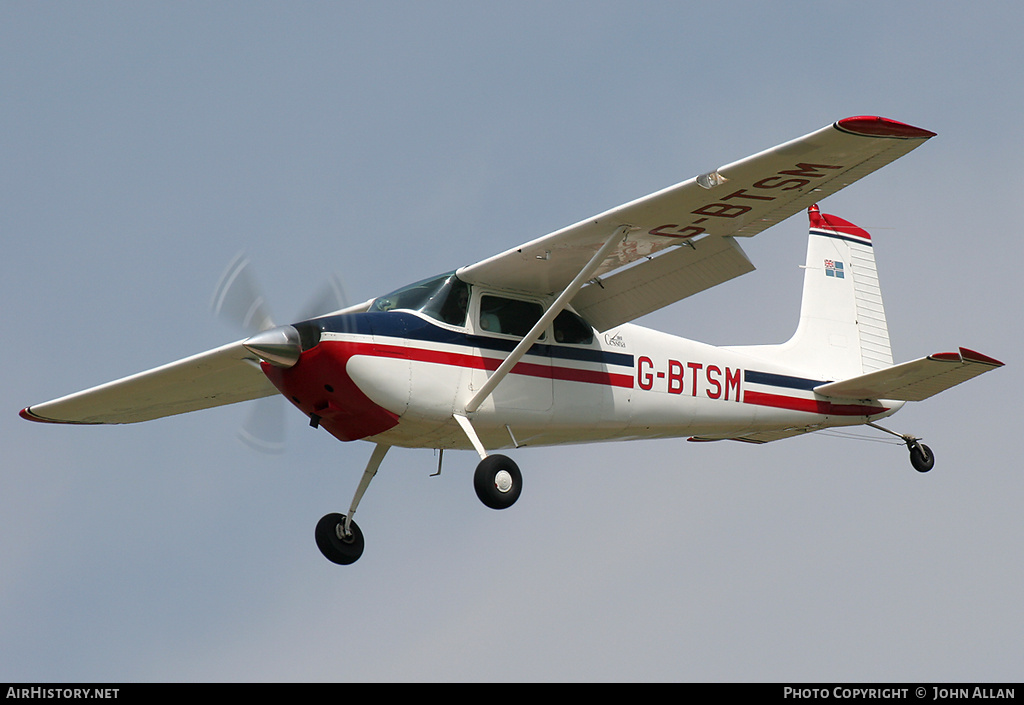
(842, 331)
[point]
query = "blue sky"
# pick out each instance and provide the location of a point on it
(144, 144)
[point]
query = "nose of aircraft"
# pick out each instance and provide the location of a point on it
(280, 346)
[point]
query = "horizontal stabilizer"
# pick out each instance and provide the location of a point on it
(913, 381)
(224, 375)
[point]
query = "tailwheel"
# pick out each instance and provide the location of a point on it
(497, 481)
(921, 456)
(338, 544)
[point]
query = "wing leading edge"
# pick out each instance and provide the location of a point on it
(224, 375)
(736, 200)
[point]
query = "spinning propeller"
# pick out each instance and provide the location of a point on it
(239, 300)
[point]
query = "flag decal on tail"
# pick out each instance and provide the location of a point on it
(834, 268)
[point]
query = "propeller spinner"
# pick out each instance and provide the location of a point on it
(238, 299)
(279, 346)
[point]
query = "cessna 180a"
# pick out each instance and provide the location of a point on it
(534, 346)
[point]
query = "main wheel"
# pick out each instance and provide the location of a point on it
(497, 481)
(921, 457)
(336, 547)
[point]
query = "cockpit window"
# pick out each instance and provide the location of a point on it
(508, 316)
(444, 298)
(570, 328)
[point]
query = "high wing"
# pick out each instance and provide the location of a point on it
(224, 375)
(703, 213)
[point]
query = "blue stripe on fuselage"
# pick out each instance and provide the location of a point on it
(775, 380)
(399, 324)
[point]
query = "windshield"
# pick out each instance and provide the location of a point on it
(444, 298)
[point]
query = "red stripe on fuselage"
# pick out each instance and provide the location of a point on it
(478, 362)
(320, 385)
(813, 406)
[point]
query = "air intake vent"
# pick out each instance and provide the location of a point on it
(309, 334)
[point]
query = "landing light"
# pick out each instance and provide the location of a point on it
(710, 180)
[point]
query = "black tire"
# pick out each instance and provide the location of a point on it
(337, 550)
(497, 481)
(921, 457)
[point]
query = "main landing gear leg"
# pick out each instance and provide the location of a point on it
(497, 480)
(921, 456)
(337, 536)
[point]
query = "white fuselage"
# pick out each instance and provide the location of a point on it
(627, 383)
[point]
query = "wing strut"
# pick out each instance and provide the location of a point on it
(585, 275)
(467, 428)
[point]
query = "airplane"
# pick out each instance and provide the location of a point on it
(536, 346)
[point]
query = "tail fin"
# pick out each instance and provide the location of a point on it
(842, 331)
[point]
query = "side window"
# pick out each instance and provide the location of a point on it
(570, 328)
(508, 316)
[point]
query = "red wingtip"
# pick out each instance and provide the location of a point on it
(873, 126)
(966, 355)
(973, 356)
(27, 415)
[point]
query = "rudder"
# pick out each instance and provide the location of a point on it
(842, 331)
